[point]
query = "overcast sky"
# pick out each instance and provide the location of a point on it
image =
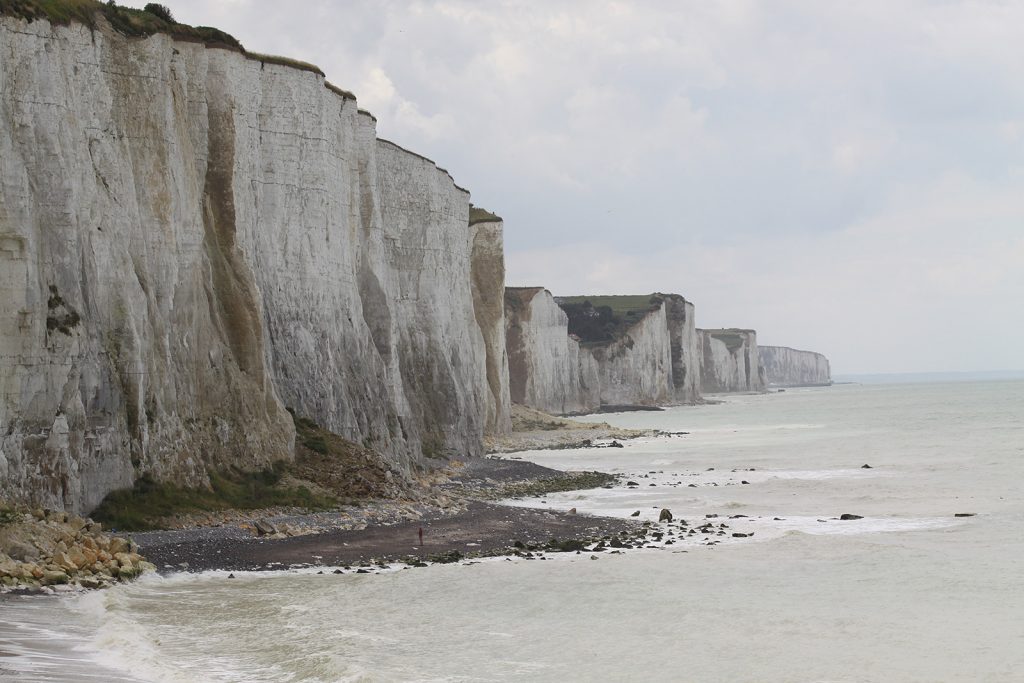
(845, 177)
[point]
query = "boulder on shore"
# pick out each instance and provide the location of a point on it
(47, 548)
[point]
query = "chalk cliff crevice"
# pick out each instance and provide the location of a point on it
(191, 240)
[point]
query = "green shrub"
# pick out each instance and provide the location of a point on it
(160, 11)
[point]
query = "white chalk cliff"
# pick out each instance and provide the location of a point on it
(547, 371)
(653, 362)
(192, 240)
(786, 367)
(730, 361)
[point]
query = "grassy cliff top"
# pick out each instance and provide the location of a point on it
(605, 318)
(478, 215)
(126, 20)
(140, 23)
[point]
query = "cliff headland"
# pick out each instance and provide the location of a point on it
(220, 289)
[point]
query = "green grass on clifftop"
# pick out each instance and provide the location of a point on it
(140, 23)
(478, 215)
(125, 20)
(603, 319)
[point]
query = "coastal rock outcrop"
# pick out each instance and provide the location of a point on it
(193, 238)
(653, 358)
(643, 353)
(786, 367)
(547, 370)
(488, 272)
(49, 547)
(730, 361)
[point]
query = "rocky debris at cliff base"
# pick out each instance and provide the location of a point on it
(536, 430)
(43, 548)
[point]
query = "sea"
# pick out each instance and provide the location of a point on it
(908, 592)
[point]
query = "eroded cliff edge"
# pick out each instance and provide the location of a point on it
(192, 240)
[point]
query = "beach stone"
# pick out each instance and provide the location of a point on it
(635, 514)
(51, 578)
(264, 527)
(117, 545)
(22, 551)
(665, 515)
(741, 535)
(848, 517)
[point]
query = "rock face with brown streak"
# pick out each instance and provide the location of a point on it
(191, 240)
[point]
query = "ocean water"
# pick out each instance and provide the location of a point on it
(910, 592)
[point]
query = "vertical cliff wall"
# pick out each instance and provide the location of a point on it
(650, 359)
(488, 271)
(730, 361)
(546, 369)
(191, 240)
(786, 367)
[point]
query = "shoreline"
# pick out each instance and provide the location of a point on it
(471, 524)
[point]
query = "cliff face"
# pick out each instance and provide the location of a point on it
(786, 367)
(191, 240)
(547, 371)
(653, 362)
(730, 361)
(488, 271)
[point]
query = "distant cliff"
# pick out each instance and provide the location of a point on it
(610, 350)
(192, 239)
(547, 370)
(729, 361)
(786, 367)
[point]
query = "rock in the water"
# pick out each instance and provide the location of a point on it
(849, 517)
(964, 514)
(665, 516)
(635, 514)
(865, 466)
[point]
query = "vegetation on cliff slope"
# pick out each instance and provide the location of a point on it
(327, 471)
(141, 507)
(478, 215)
(603, 319)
